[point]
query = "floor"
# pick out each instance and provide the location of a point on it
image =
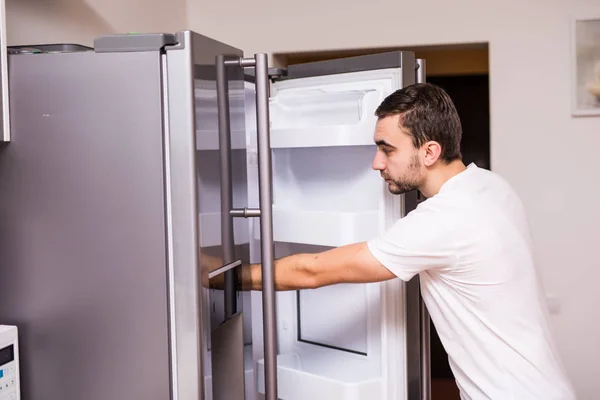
(444, 389)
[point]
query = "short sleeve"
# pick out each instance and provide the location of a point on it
(420, 241)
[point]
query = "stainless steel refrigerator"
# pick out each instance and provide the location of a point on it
(133, 165)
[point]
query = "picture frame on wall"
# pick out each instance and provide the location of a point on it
(585, 56)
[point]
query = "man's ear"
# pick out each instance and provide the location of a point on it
(431, 153)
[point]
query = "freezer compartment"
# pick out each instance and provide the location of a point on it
(83, 230)
(300, 378)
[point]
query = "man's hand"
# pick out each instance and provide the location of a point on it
(208, 264)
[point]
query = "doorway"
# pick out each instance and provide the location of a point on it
(462, 70)
(470, 94)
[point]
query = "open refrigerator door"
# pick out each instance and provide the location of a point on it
(346, 341)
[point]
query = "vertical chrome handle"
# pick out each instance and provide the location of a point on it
(227, 239)
(265, 180)
(424, 314)
(421, 71)
(4, 99)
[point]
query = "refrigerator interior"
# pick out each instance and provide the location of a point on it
(325, 194)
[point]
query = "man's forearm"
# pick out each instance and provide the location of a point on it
(291, 273)
(352, 263)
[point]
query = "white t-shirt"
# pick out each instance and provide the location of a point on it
(471, 246)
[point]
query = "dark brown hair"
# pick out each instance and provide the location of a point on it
(428, 114)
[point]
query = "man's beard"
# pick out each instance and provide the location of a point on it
(409, 182)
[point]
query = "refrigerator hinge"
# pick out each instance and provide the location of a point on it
(275, 74)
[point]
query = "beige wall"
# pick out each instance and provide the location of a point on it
(550, 158)
(80, 21)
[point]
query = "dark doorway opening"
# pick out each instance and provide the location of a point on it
(470, 94)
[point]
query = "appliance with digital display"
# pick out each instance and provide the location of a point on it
(9, 363)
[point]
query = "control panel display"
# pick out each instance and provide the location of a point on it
(9, 360)
(7, 355)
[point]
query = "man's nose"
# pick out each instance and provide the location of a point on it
(378, 164)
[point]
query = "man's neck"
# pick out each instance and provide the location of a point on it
(440, 174)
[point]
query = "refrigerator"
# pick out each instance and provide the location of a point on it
(133, 166)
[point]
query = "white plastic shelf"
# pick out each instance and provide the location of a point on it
(322, 228)
(296, 383)
(322, 136)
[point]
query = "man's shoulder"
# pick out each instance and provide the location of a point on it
(436, 212)
(476, 184)
(486, 176)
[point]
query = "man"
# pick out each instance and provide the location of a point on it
(470, 244)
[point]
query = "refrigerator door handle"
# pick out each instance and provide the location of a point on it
(265, 179)
(227, 237)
